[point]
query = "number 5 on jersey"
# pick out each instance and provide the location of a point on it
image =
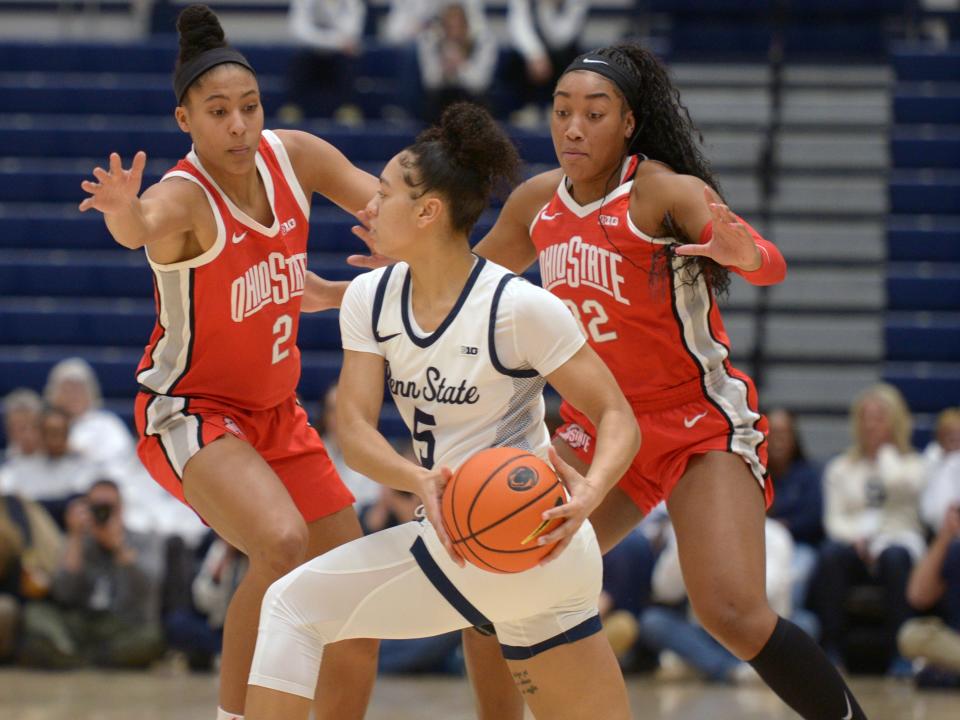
(591, 317)
(421, 421)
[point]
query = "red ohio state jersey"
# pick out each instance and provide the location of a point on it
(227, 320)
(656, 327)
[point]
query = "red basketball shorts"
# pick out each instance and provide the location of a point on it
(684, 422)
(173, 429)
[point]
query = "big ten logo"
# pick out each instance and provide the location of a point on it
(469, 350)
(287, 226)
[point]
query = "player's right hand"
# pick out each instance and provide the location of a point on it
(432, 483)
(374, 260)
(116, 188)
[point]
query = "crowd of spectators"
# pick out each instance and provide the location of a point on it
(98, 566)
(445, 51)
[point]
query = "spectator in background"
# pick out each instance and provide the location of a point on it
(365, 491)
(406, 22)
(936, 579)
(97, 434)
(323, 73)
(30, 544)
(106, 592)
(546, 39)
(798, 503)
(456, 60)
(53, 476)
(943, 473)
(871, 516)
(21, 420)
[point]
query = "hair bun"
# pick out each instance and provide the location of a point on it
(199, 30)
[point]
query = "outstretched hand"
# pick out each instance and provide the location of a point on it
(115, 189)
(731, 245)
(432, 483)
(374, 260)
(583, 500)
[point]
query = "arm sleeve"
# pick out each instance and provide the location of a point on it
(534, 329)
(773, 267)
(356, 314)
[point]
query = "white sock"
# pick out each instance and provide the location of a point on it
(224, 715)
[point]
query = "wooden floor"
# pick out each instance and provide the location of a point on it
(165, 696)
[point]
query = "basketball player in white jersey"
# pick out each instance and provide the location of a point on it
(466, 348)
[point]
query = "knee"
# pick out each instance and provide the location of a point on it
(895, 558)
(282, 550)
(740, 622)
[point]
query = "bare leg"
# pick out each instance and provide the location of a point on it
(494, 692)
(243, 500)
(718, 513)
(349, 667)
(575, 681)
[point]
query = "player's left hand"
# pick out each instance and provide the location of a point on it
(432, 483)
(732, 245)
(374, 260)
(584, 499)
(320, 294)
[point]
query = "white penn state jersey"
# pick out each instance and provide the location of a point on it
(477, 380)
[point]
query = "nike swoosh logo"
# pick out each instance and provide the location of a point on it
(544, 216)
(849, 715)
(384, 338)
(598, 62)
(239, 238)
(690, 422)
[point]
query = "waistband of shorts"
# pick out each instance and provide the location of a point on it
(678, 394)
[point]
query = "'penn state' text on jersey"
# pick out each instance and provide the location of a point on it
(227, 320)
(450, 387)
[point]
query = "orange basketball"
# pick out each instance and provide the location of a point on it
(492, 509)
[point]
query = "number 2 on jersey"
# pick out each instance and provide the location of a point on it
(282, 329)
(593, 327)
(424, 420)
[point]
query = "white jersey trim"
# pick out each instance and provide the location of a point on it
(581, 211)
(237, 213)
(643, 236)
(214, 250)
(170, 355)
(286, 167)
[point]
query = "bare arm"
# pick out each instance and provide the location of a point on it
(926, 585)
(366, 450)
(508, 242)
(323, 169)
(618, 440)
(161, 214)
(716, 231)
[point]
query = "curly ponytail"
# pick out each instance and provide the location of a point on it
(467, 158)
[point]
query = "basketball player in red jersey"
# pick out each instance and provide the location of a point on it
(225, 233)
(631, 234)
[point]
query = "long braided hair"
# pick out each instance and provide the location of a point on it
(665, 132)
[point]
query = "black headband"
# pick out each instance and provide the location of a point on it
(603, 66)
(192, 69)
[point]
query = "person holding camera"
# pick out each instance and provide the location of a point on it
(105, 591)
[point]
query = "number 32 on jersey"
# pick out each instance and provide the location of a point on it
(592, 319)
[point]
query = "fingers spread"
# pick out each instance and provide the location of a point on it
(100, 174)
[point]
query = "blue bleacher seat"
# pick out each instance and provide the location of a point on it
(937, 339)
(925, 147)
(923, 238)
(924, 191)
(916, 63)
(927, 387)
(924, 288)
(927, 103)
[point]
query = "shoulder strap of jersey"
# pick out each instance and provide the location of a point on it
(378, 302)
(492, 333)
